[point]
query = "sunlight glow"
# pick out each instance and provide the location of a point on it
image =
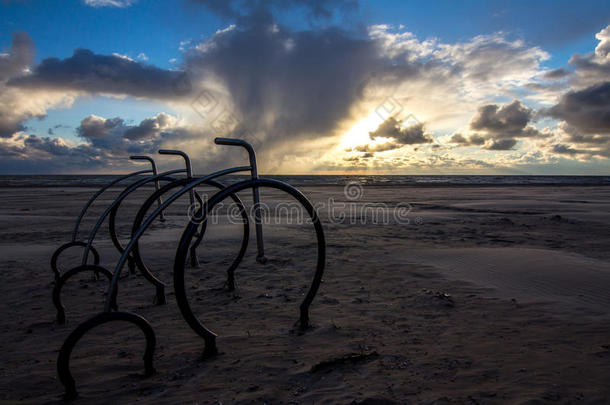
(359, 133)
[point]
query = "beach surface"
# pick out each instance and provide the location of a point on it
(434, 295)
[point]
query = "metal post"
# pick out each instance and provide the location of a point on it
(154, 172)
(187, 163)
(258, 223)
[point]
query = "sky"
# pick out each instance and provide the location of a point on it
(317, 86)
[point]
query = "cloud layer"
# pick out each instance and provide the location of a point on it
(298, 92)
(499, 127)
(106, 144)
(88, 72)
(585, 125)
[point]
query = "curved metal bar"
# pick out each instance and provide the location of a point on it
(182, 251)
(97, 194)
(113, 213)
(135, 253)
(160, 286)
(192, 194)
(63, 360)
(55, 257)
(154, 172)
(243, 144)
(131, 263)
(140, 216)
(151, 218)
(125, 192)
(187, 164)
(258, 225)
(61, 310)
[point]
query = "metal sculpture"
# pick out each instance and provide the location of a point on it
(143, 221)
(133, 262)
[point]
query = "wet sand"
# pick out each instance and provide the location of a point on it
(478, 295)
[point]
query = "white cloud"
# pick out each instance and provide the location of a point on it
(185, 44)
(118, 55)
(109, 3)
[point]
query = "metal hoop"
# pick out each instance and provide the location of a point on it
(208, 336)
(63, 360)
(59, 251)
(61, 310)
(140, 216)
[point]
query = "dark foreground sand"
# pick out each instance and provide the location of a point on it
(487, 295)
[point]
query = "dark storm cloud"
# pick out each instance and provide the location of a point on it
(93, 73)
(316, 8)
(587, 110)
(409, 135)
(286, 83)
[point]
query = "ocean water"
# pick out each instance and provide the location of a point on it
(305, 180)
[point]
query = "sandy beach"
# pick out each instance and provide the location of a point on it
(480, 295)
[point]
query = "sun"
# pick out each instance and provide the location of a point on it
(358, 134)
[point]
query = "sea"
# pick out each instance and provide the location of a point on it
(330, 180)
